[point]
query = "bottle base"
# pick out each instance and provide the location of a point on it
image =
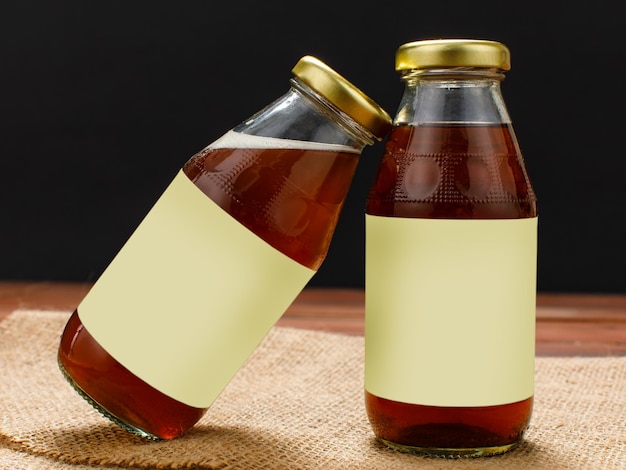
(104, 412)
(450, 453)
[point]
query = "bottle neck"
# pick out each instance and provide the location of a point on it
(461, 95)
(303, 114)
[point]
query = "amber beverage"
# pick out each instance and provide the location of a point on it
(489, 183)
(291, 198)
(230, 243)
(294, 215)
(452, 171)
(451, 261)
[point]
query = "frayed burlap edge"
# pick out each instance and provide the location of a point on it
(297, 404)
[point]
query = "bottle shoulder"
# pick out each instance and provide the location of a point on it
(444, 170)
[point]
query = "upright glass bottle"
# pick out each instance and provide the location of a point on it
(451, 233)
(223, 252)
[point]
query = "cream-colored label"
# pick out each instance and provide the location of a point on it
(190, 296)
(450, 310)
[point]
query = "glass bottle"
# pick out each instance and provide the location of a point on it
(224, 251)
(451, 234)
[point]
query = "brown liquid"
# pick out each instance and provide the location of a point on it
(289, 198)
(451, 172)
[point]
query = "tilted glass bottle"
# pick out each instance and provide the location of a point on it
(451, 234)
(221, 255)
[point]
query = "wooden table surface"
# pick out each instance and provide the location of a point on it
(567, 324)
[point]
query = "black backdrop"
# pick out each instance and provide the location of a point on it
(103, 101)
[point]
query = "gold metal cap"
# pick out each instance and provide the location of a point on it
(343, 94)
(442, 53)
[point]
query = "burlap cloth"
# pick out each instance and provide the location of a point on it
(297, 404)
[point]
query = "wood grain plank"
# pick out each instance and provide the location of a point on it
(567, 324)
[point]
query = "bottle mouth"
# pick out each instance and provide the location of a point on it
(343, 95)
(454, 73)
(347, 122)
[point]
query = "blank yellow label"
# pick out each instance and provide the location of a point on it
(190, 296)
(450, 310)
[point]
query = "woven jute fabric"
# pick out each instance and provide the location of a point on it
(296, 404)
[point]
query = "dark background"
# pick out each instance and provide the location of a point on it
(103, 101)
